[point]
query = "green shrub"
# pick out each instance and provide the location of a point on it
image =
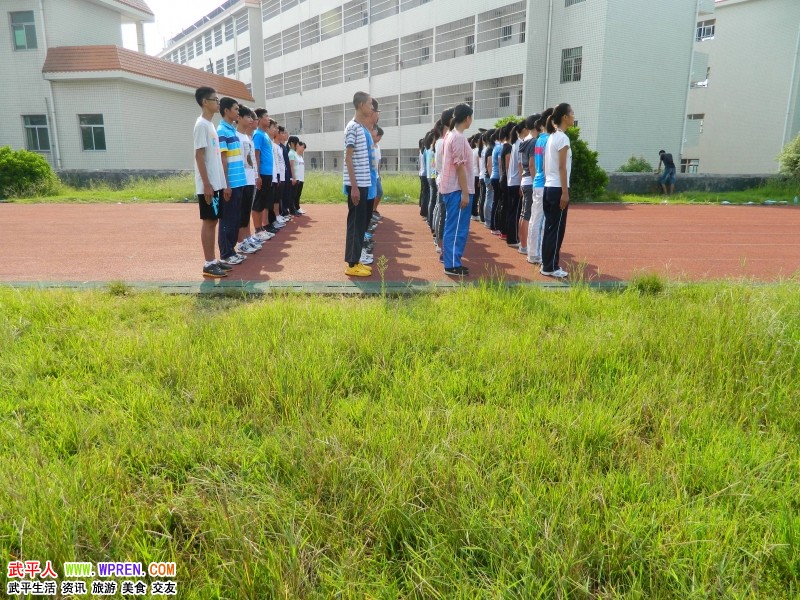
(500, 122)
(789, 159)
(588, 180)
(24, 173)
(636, 165)
(648, 284)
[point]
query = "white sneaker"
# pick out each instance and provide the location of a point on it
(236, 259)
(536, 260)
(558, 273)
(366, 259)
(245, 248)
(263, 236)
(278, 225)
(522, 250)
(300, 211)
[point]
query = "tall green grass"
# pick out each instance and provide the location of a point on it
(486, 443)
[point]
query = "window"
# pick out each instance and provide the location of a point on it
(209, 68)
(333, 118)
(446, 97)
(492, 97)
(229, 29)
(249, 88)
(243, 59)
(312, 120)
(693, 130)
(217, 35)
(571, 2)
(332, 71)
(571, 59)
(450, 39)
(272, 46)
(354, 15)
(415, 107)
(274, 86)
(220, 70)
(292, 82)
(705, 30)
(291, 39)
(311, 77)
(269, 9)
(309, 32)
(182, 54)
(287, 4)
(190, 50)
(356, 65)
(496, 27)
(409, 4)
(209, 43)
(690, 165)
(415, 49)
(231, 64)
(381, 9)
(92, 132)
(198, 46)
(505, 99)
(23, 28)
(37, 136)
(389, 111)
(242, 22)
(330, 23)
(385, 57)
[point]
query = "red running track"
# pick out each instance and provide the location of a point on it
(607, 242)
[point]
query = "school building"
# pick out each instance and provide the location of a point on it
(73, 94)
(625, 70)
(744, 105)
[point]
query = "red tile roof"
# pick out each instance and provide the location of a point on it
(75, 59)
(138, 5)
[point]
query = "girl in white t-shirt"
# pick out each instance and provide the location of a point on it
(557, 171)
(300, 174)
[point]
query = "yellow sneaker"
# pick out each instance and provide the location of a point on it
(357, 271)
(366, 267)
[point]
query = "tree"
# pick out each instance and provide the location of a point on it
(24, 173)
(789, 159)
(500, 122)
(588, 181)
(636, 165)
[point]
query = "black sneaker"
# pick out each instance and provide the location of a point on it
(271, 229)
(224, 267)
(458, 271)
(214, 271)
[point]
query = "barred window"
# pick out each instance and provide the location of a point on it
(330, 23)
(293, 122)
(415, 49)
(309, 32)
(272, 46)
(355, 14)
(385, 57)
(311, 77)
(447, 97)
(291, 39)
(242, 22)
(190, 51)
(571, 2)
(273, 86)
(198, 46)
(409, 4)
(217, 35)
(287, 4)
(209, 43)
(497, 28)
(243, 58)
(455, 39)
(231, 64)
(292, 82)
(270, 9)
(493, 97)
(415, 108)
(229, 29)
(571, 62)
(390, 109)
(220, 70)
(332, 71)
(312, 120)
(356, 65)
(182, 54)
(333, 118)
(381, 9)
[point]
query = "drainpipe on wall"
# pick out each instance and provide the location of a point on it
(689, 86)
(49, 101)
(547, 63)
(792, 94)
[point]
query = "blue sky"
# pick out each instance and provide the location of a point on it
(172, 16)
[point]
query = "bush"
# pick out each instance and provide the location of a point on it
(648, 284)
(24, 174)
(636, 165)
(500, 122)
(588, 181)
(790, 159)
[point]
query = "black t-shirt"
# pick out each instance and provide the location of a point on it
(666, 158)
(506, 151)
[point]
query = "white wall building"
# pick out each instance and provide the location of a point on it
(743, 103)
(74, 95)
(623, 69)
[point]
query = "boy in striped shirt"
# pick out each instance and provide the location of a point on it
(357, 181)
(233, 167)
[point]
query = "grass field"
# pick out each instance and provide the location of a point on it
(485, 443)
(322, 187)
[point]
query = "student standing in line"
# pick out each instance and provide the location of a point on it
(424, 191)
(356, 183)
(437, 133)
(209, 178)
(458, 189)
(480, 191)
(278, 177)
(287, 199)
(476, 159)
(526, 160)
(300, 173)
(536, 225)
(494, 179)
(233, 165)
(439, 212)
(244, 127)
(514, 186)
(502, 206)
(488, 203)
(262, 214)
(377, 136)
(558, 168)
(291, 144)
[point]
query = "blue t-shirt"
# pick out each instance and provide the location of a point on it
(263, 144)
(231, 147)
(498, 148)
(429, 169)
(538, 158)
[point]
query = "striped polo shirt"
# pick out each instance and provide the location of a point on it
(231, 147)
(354, 137)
